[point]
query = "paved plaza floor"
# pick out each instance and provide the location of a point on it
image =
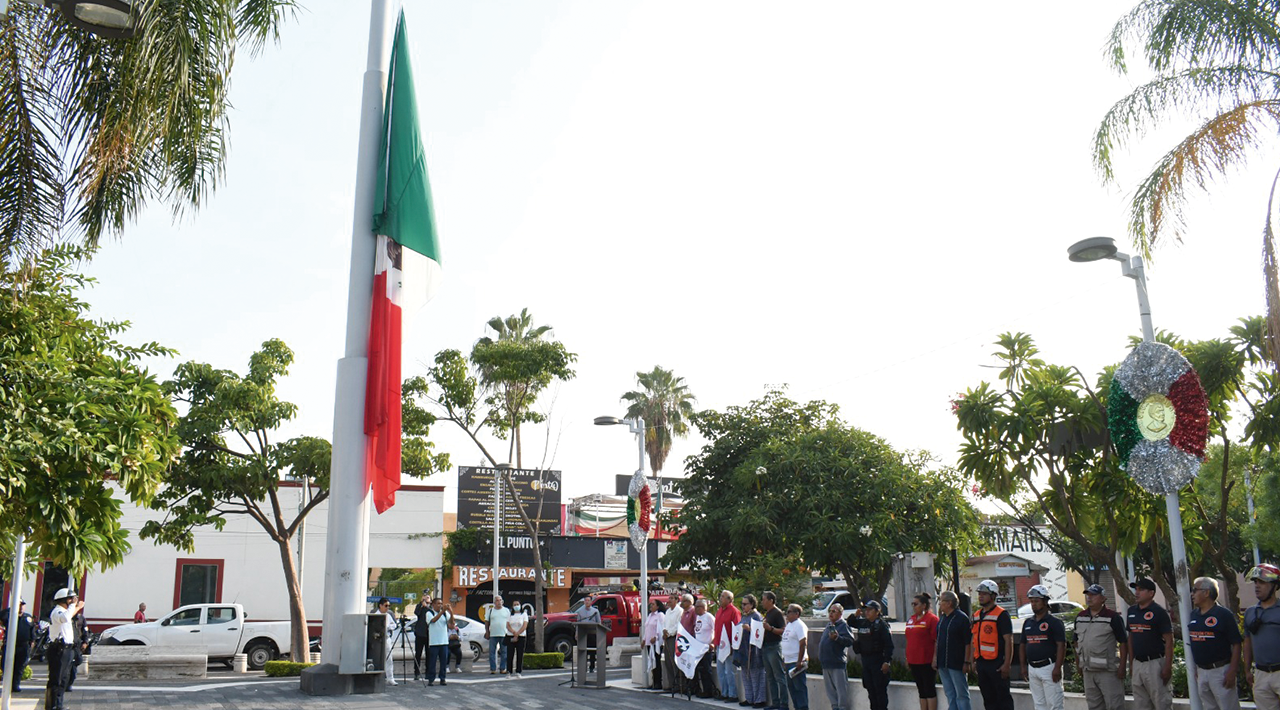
(228, 691)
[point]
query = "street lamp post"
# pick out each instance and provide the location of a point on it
(1096, 249)
(636, 426)
(113, 19)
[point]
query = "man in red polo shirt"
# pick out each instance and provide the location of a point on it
(727, 617)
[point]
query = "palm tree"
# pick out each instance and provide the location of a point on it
(1220, 61)
(515, 328)
(91, 129)
(666, 405)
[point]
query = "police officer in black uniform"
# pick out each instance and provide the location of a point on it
(874, 644)
(420, 632)
(25, 632)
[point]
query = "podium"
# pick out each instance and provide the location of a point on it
(599, 634)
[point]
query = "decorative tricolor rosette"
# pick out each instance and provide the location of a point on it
(639, 510)
(1158, 416)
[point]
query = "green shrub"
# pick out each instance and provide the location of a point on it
(536, 661)
(282, 669)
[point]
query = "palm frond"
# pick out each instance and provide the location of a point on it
(259, 21)
(1221, 142)
(1185, 33)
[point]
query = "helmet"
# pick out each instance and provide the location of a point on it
(988, 586)
(1038, 592)
(1264, 573)
(64, 593)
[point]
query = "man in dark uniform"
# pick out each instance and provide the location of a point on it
(1150, 649)
(80, 634)
(992, 648)
(1215, 647)
(1101, 645)
(1262, 638)
(420, 632)
(1044, 648)
(874, 644)
(25, 633)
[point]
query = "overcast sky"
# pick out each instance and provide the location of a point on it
(853, 199)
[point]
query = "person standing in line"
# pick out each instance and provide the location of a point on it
(61, 647)
(19, 624)
(1044, 649)
(954, 651)
(775, 674)
(727, 617)
(140, 616)
(704, 624)
(1150, 649)
(794, 643)
(1101, 642)
(651, 641)
(438, 626)
(874, 646)
(922, 640)
(992, 648)
(496, 632)
(749, 658)
(832, 655)
(670, 629)
(517, 625)
(1262, 638)
(455, 646)
(384, 608)
(80, 632)
(420, 636)
(1215, 647)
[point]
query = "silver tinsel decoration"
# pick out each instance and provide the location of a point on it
(1160, 467)
(639, 536)
(1151, 367)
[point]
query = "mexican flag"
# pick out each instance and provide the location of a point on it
(406, 269)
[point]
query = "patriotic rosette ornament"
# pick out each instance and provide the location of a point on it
(639, 510)
(1158, 416)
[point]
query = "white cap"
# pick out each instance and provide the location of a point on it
(1038, 592)
(64, 593)
(988, 585)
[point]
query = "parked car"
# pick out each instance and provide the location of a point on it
(844, 598)
(1057, 608)
(620, 611)
(223, 632)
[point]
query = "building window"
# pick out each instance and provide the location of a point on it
(198, 582)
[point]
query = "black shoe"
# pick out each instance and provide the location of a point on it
(745, 704)
(442, 681)
(415, 677)
(431, 682)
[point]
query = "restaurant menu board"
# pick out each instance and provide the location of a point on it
(475, 499)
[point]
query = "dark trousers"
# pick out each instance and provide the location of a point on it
(19, 663)
(669, 670)
(995, 689)
(419, 645)
(76, 660)
(455, 655)
(437, 656)
(876, 682)
(703, 677)
(60, 657)
(515, 654)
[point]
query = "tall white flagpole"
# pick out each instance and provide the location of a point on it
(347, 543)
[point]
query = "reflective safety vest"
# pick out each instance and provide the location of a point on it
(986, 646)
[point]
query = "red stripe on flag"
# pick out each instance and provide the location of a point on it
(382, 398)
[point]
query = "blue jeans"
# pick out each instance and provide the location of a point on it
(775, 674)
(497, 653)
(437, 655)
(728, 683)
(799, 687)
(956, 687)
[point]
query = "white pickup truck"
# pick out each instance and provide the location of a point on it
(219, 629)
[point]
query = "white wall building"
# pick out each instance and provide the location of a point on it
(240, 563)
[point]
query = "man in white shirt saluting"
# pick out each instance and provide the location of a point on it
(61, 646)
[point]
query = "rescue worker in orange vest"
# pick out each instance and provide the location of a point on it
(1101, 641)
(992, 648)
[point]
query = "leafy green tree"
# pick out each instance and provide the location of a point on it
(1037, 442)
(91, 129)
(794, 482)
(1215, 61)
(231, 466)
(77, 415)
(492, 395)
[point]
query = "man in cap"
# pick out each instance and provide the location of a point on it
(1150, 649)
(61, 649)
(992, 648)
(1101, 642)
(1044, 648)
(23, 628)
(1215, 647)
(874, 644)
(1262, 638)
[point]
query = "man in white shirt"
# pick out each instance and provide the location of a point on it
(61, 646)
(795, 639)
(496, 631)
(704, 625)
(670, 629)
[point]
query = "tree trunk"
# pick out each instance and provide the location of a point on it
(300, 641)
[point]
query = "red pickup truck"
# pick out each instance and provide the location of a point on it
(620, 611)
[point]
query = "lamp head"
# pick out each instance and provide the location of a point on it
(607, 421)
(1093, 249)
(113, 19)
